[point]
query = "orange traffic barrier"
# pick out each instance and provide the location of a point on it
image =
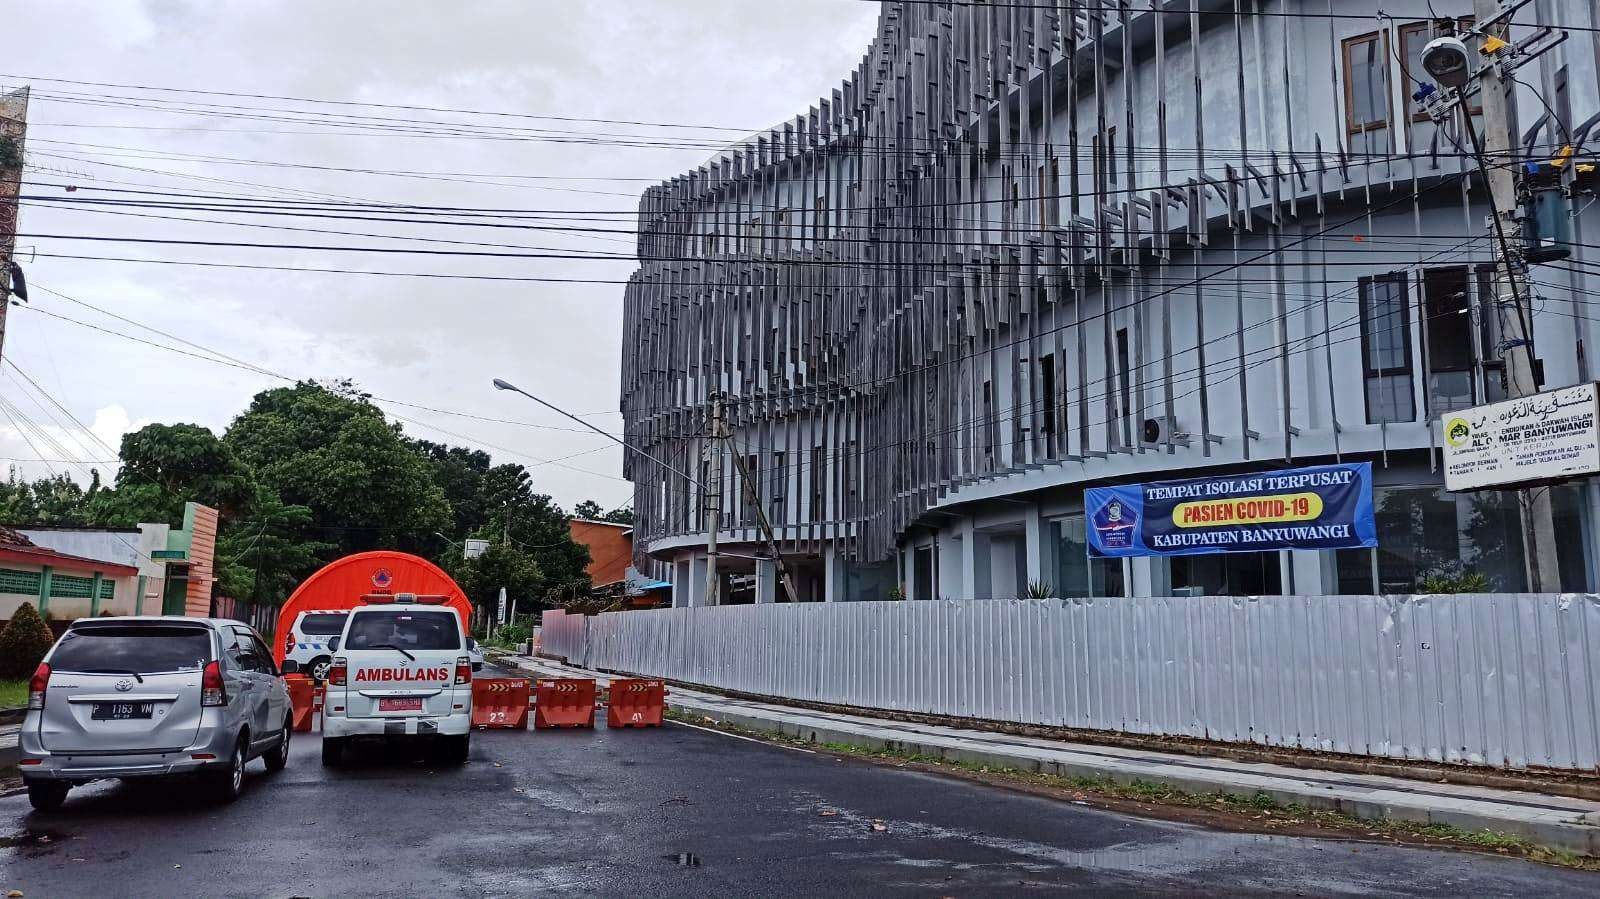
(564, 702)
(302, 698)
(635, 703)
(500, 702)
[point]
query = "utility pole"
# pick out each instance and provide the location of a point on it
(13, 130)
(718, 431)
(1497, 161)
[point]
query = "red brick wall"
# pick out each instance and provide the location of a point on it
(610, 553)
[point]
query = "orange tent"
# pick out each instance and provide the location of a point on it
(341, 583)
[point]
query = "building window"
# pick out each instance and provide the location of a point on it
(1111, 154)
(1078, 575)
(748, 490)
(1386, 348)
(700, 522)
(924, 573)
(1047, 391)
(66, 586)
(819, 483)
(847, 470)
(779, 491)
(1049, 188)
(1366, 83)
(988, 425)
(1125, 387)
(108, 589)
(25, 583)
(1431, 540)
(1226, 574)
(1449, 327)
(819, 221)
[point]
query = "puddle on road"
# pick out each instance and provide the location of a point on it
(683, 859)
(33, 842)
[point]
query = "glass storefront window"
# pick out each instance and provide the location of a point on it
(1446, 540)
(1077, 575)
(1226, 574)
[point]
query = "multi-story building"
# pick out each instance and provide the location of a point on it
(1025, 249)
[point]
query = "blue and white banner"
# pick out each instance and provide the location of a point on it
(1322, 507)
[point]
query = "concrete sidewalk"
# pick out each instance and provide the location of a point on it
(1554, 821)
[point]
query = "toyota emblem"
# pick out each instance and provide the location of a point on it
(124, 685)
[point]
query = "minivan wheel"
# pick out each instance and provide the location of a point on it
(278, 759)
(48, 795)
(229, 783)
(332, 752)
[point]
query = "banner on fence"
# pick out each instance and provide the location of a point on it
(1321, 507)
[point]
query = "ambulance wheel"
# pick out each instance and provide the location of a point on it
(454, 750)
(332, 752)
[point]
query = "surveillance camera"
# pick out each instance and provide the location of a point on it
(1446, 60)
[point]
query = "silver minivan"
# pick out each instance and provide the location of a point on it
(150, 697)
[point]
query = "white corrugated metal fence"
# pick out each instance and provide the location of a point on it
(1504, 680)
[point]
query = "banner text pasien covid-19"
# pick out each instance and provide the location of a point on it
(1322, 507)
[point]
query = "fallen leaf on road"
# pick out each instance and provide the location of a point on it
(516, 789)
(1079, 802)
(175, 867)
(879, 826)
(14, 894)
(827, 813)
(498, 765)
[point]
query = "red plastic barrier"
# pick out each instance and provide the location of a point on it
(636, 702)
(500, 702)
(564, 702)
(303, 694)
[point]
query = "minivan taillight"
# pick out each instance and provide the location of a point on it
(336, 673)
(37, 685)
(463, 671)
(212, 690)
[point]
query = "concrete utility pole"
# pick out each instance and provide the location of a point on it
(1497, 159)
(718, 432)
(13, 131)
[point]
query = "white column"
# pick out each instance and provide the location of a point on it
(766, 581)
(697, 581)
(833, 580)
(1034, 534)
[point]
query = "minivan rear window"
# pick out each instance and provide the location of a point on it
(407, 630)
(147, 650)
(324, 624)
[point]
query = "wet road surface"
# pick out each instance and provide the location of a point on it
(674, 812)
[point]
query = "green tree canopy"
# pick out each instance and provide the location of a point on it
(591, 510)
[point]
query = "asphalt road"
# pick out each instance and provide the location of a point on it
(673, 812)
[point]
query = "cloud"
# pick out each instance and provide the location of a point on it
(434, 342)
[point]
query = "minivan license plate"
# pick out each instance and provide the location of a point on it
(121, 711)
(400, 705)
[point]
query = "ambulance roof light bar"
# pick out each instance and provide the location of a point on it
(427, 599)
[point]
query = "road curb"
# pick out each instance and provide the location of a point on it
(1549, 821)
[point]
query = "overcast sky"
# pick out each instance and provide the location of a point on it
(741, 65)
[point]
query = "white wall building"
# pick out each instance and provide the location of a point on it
(1025, 250)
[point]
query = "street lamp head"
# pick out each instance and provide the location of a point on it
(503, 385)
(1447, 60)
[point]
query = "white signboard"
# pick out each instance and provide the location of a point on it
(1546, 437)
(501, 614)
(474, 548)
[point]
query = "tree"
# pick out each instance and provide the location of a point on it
(264, 558)
(501, 566)
(189, 463)
(332, 452)
(24, 642)
(590, 510)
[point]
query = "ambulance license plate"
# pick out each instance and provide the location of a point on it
(413, 704)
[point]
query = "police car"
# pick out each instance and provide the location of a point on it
(306, 643)
(400, 671)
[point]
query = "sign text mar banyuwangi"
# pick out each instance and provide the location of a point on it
(1322, 507)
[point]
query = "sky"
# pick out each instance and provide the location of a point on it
(729, 67)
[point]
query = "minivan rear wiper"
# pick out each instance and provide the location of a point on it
(393, 647)
(136, 675)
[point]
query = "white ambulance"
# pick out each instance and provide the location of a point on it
(401, 671)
